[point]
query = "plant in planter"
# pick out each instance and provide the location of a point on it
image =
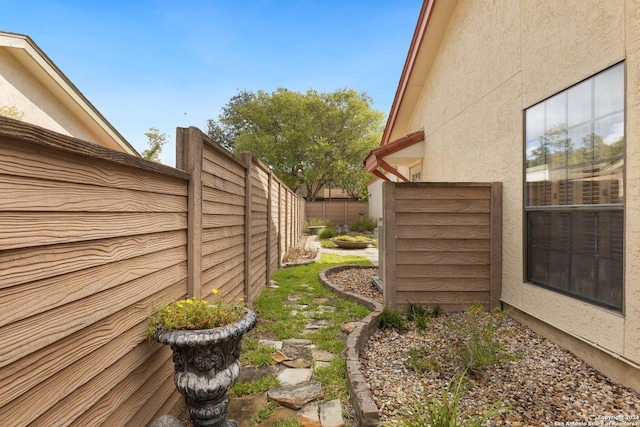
(205, 340)
(352, 242)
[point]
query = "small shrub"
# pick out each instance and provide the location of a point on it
(298, 254)
(327, 233)
(391, 319)
(365, 223)
(415, 311)
(420, 411)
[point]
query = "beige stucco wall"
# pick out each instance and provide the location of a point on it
(19, 88)
(497, 59)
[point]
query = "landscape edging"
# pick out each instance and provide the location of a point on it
(365, 408)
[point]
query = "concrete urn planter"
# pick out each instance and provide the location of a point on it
(350, 244)
(206, 366)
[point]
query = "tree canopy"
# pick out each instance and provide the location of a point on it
(156, 141)
(310, 141)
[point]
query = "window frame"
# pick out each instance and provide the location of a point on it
(612, 207)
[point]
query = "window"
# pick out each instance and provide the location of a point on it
(574, 190)
(416, 173)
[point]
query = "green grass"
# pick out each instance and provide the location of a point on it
(254, 387)
(274, 311)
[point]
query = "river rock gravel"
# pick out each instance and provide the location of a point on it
(544, 386)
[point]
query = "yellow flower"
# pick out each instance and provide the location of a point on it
(241, 299)
(214, 291)
(190, 301)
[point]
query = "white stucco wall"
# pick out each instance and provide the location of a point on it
(21, 89)
(497, 59)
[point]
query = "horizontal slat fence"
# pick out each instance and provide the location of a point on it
(337, 212)
(90, 241)
(249, 218)
(442, 244)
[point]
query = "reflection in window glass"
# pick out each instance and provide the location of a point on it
(574, 192)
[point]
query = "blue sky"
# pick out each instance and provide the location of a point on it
(169, 64)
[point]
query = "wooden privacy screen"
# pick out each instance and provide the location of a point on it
(442, 244)
(337, 212)
(91, 240)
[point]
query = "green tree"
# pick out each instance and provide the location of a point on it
(156, 141)
(11, 111)
(309, 140)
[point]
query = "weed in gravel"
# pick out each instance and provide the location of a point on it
(420, 411)
(420, 359)
(391, 319)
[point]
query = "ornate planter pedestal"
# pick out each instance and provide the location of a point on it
(206, 367)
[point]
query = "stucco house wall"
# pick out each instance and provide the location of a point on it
(498, 58)
(32, 85)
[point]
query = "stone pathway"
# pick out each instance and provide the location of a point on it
(296, 360)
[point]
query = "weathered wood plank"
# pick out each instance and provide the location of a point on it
(21, 194)
(29, 299)
(219, 183)
(221, 208)
(468, 245)
(126, 395)
(221, 245)
(447, 297)
(215, 195)
(19, 159)
(444, 206)
(439, 284)
(107, 371)
(28, 229)
(209, 260)
(27, 372)
(213, 221)
(28, 134)
(444, 271)
(65, 320)
(443, 258)
(430, 219)
(443, 191)
(445, 232)
(155, 392)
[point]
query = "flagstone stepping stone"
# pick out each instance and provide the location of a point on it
(320, 300)
(348, 327)
(293, 298)
(328, 308)
(331, 414)
(291, 376)
(296, 396)
(279, 357)
(293, 352)
(322, 355)
(252, 373)
(298, 306)
(279, 415)
(310, 313)
(315, 324)
(309, 415)
(276, 345)
(273, 284)
(297, 363)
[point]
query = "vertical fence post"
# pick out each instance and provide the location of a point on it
(189, 151)
(269, 224)
(247, 160)
(495, 262)
(389, 230)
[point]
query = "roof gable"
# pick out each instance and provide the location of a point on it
(31, 58)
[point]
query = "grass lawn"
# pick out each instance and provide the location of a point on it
(276, 322)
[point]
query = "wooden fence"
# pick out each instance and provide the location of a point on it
(337, 212)
(441, 244)
(91, 240)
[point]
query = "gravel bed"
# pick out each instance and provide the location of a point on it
(357, 281)
(546, 385)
